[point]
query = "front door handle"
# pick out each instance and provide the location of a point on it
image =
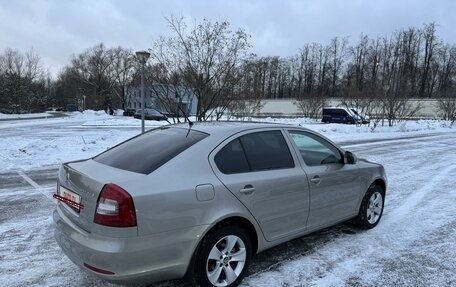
(316, 180)
(248, 189)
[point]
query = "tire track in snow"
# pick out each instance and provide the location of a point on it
(412, 211)
(411, 246)
(341, 262)
(417, 196)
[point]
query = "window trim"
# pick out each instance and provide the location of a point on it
(238, 135)
(308, 132)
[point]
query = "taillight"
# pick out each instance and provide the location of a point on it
(115, 207)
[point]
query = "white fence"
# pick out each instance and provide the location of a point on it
(286, 107)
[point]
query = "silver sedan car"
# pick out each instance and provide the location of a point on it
(185, 202)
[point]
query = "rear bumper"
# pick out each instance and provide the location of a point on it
(143, 259)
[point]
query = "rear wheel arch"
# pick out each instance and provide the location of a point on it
(240, 222)
(237, 221)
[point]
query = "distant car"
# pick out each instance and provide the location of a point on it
(340, 115)
(151, 114)
(129, 112)
(203, 199)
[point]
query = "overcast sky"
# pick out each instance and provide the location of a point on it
(58, 29)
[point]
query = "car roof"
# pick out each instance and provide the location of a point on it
(337, 108)
(222, 130)
(230, 127)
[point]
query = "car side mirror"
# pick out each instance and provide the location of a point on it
(350, 158)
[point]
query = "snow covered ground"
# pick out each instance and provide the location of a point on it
(23, 116)
(414, 244)
(28, 144)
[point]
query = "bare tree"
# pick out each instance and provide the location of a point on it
(206, 58)
(337, 51)
(395, 107)
(447, 109)
(123, 68)
(361, 100)
(431, 43)
(102, 75)
(93, 69)
(13, 62)
(446, 83)
(167, 83)
(311, 104)
(33, 68)
(22, 81)
(360, 88)
(395, 99)
(249, 93)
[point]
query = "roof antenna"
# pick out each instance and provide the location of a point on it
(190, 123)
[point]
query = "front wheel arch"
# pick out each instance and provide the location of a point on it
(371, 208)
(381, 183)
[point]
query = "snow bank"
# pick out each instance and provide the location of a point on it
(23, 116)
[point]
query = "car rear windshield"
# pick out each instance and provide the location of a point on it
(147, 152)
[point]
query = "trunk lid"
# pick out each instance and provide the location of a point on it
(83, 181)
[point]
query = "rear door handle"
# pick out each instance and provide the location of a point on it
(316, 179)
(248, 189)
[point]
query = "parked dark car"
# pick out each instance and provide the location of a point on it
(340, 115)
(202, 200)
(151, 114)
(129, 112)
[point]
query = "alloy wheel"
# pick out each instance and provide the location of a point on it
(375, 206)
(226, 260)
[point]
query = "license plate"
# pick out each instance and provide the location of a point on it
(71, 196)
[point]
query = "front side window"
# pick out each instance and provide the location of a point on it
(315, 150)
(255, 152)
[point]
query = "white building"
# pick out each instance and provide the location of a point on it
(167, 99)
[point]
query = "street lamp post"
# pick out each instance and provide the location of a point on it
(142, 57)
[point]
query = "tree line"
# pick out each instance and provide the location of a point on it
(376, 75)
(24, 84)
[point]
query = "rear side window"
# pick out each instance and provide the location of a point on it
(255, 152)
(147, 152)
(231, 158)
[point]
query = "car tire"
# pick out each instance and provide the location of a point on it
(218, 266)
(371, 209)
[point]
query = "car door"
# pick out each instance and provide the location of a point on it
(259, 169)
(334, 185)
